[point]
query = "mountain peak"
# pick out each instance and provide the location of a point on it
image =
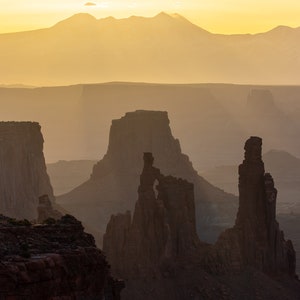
(78, 20)
(178, 16)
(281, 30)
(162, 15)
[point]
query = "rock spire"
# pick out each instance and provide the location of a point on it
(163, 226)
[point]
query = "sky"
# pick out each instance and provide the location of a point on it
(218, 16)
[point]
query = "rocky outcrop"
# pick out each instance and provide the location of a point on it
(163, 226)
(112, 186)
(46, 211)
(57, 261)
(23, 176)
(256, 239)
(161, 257)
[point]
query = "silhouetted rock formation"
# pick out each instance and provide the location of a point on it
(163, 226)
(23, 175)
(112, 186)
(46, 211)
(256, 239)
(160, 256)
(57, 261)
(285, 169)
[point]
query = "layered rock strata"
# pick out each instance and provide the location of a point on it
(23, 176)
(57, 261)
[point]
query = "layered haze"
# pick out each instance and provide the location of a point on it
(211, 120)
(78, 78)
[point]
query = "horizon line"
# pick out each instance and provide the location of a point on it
(25, 86)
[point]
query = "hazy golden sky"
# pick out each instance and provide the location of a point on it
(220, 16)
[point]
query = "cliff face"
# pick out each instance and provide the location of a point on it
(160, 255)
(112, 186)
(23, 176)
(163, 226)
(57, 261)
(139, 132)
(258, 240)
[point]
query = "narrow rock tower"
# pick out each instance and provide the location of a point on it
(262, 241)
(256, 239)
(163, 226)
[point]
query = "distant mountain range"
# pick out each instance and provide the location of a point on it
(165, 48)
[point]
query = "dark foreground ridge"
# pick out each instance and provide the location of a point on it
(160, 256)
(52, 261)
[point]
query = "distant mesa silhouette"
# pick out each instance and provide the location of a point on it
(112, 185)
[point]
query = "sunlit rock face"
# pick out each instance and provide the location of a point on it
(112, 186)
(23, 176)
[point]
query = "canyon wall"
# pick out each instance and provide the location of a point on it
(23, 176)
